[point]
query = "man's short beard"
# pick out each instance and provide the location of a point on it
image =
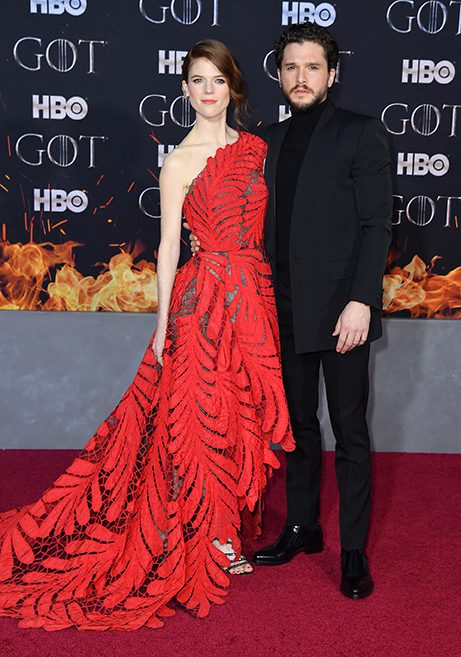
(316, 99)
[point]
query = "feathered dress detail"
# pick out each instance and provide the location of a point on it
(185, 456)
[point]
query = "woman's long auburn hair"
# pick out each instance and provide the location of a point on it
(220, 55)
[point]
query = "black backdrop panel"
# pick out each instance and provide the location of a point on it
(91, 100)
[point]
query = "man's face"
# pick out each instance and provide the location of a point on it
(304, 76)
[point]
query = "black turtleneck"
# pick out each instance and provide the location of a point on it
(292, 152)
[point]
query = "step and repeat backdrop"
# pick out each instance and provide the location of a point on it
(91, 102)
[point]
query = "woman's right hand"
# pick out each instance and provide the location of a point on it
(194, 241)
(158, 344)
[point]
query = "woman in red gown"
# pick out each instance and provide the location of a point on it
(152, 510)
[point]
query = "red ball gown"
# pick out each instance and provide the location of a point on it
(185, 456)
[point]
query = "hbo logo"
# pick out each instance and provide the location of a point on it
(73, 7)
(58, 200)
(299, 12)
(420, 164)
(57, 107)
(425, 71)
(171, 63)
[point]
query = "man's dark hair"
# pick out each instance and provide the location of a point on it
(300, 32)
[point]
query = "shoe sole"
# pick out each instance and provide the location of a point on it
(312, 549)
(358, 596)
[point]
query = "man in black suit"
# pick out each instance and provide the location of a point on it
(328, 229)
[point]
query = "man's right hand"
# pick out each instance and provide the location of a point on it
(194, 241)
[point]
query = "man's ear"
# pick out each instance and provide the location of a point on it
(331, 76)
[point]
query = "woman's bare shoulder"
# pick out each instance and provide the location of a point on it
(174, 165)
(183, 156)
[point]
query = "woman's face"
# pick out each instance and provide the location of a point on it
(207, 89)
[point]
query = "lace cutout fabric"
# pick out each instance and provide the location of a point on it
(184, 457)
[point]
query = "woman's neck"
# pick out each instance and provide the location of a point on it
(212, 131)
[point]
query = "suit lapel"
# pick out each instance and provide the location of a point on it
(274, 152)
(270, 173)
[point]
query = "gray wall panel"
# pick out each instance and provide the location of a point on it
(62, 373)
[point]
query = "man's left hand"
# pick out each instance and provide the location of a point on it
(352, 326)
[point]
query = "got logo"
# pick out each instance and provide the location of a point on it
(186, 12)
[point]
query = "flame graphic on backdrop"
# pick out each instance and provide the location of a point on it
(26, 278)
(417, 289)
(27, 284)
(41, 274)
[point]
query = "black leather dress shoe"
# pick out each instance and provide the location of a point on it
(356, 580)
(293, 540)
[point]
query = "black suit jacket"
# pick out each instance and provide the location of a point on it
(340, 225)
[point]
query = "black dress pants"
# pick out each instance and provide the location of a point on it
(346, 382)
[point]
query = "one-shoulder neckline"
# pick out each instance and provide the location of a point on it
(211, 158)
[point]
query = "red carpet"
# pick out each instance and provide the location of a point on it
(296, 610)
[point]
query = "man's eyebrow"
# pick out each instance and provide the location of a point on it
(316, 63)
